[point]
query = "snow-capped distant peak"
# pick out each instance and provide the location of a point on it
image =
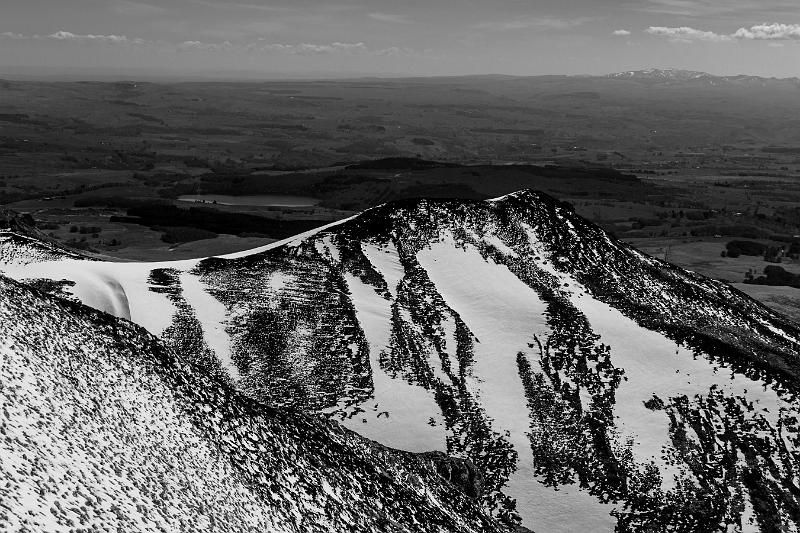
(661, 74)
(673, 76)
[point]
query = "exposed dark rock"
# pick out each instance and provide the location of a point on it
(460, 472)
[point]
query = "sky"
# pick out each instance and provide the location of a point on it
(220, 38)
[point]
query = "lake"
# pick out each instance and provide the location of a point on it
(265, 200)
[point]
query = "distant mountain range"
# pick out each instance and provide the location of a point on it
(678, 75)
(584, 385)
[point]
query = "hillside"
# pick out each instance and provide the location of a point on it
(593, 387)
(105, 428)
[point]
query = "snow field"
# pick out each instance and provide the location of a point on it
(504, 314)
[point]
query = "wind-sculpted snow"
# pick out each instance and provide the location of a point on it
(593, 387)
(104, 428)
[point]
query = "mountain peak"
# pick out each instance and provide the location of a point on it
(672, 75)
(661, 74)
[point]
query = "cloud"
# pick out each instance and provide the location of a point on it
(397, 51)
(686, 34)
(290, 7)
(387, 17)
(335, 48)
(338, 48)
(759, 32)
(110, 39)
(260, 45)
(680, 7)
(242, 5)
(135, 8)
(208, 47)
(717, 8)
(769, 32)
(621, 33)
(534, 23)
(62, 35)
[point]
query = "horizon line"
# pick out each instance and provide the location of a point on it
(105, 74)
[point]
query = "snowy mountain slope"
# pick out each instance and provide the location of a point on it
(593, 386)
(682, 77)
(661, 74)
(20, 249)
(103, 427)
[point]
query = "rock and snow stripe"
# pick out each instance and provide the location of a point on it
(504, 314)
(399, 414)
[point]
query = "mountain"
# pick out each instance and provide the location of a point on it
(661, 74)
(593, 387)
(682, 76)
(103, 427)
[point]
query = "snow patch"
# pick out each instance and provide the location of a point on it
(386, 261)
(399, 414)
(212, 315)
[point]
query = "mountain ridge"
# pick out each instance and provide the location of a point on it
(681, 75)
(580, 377)
(240, 464)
